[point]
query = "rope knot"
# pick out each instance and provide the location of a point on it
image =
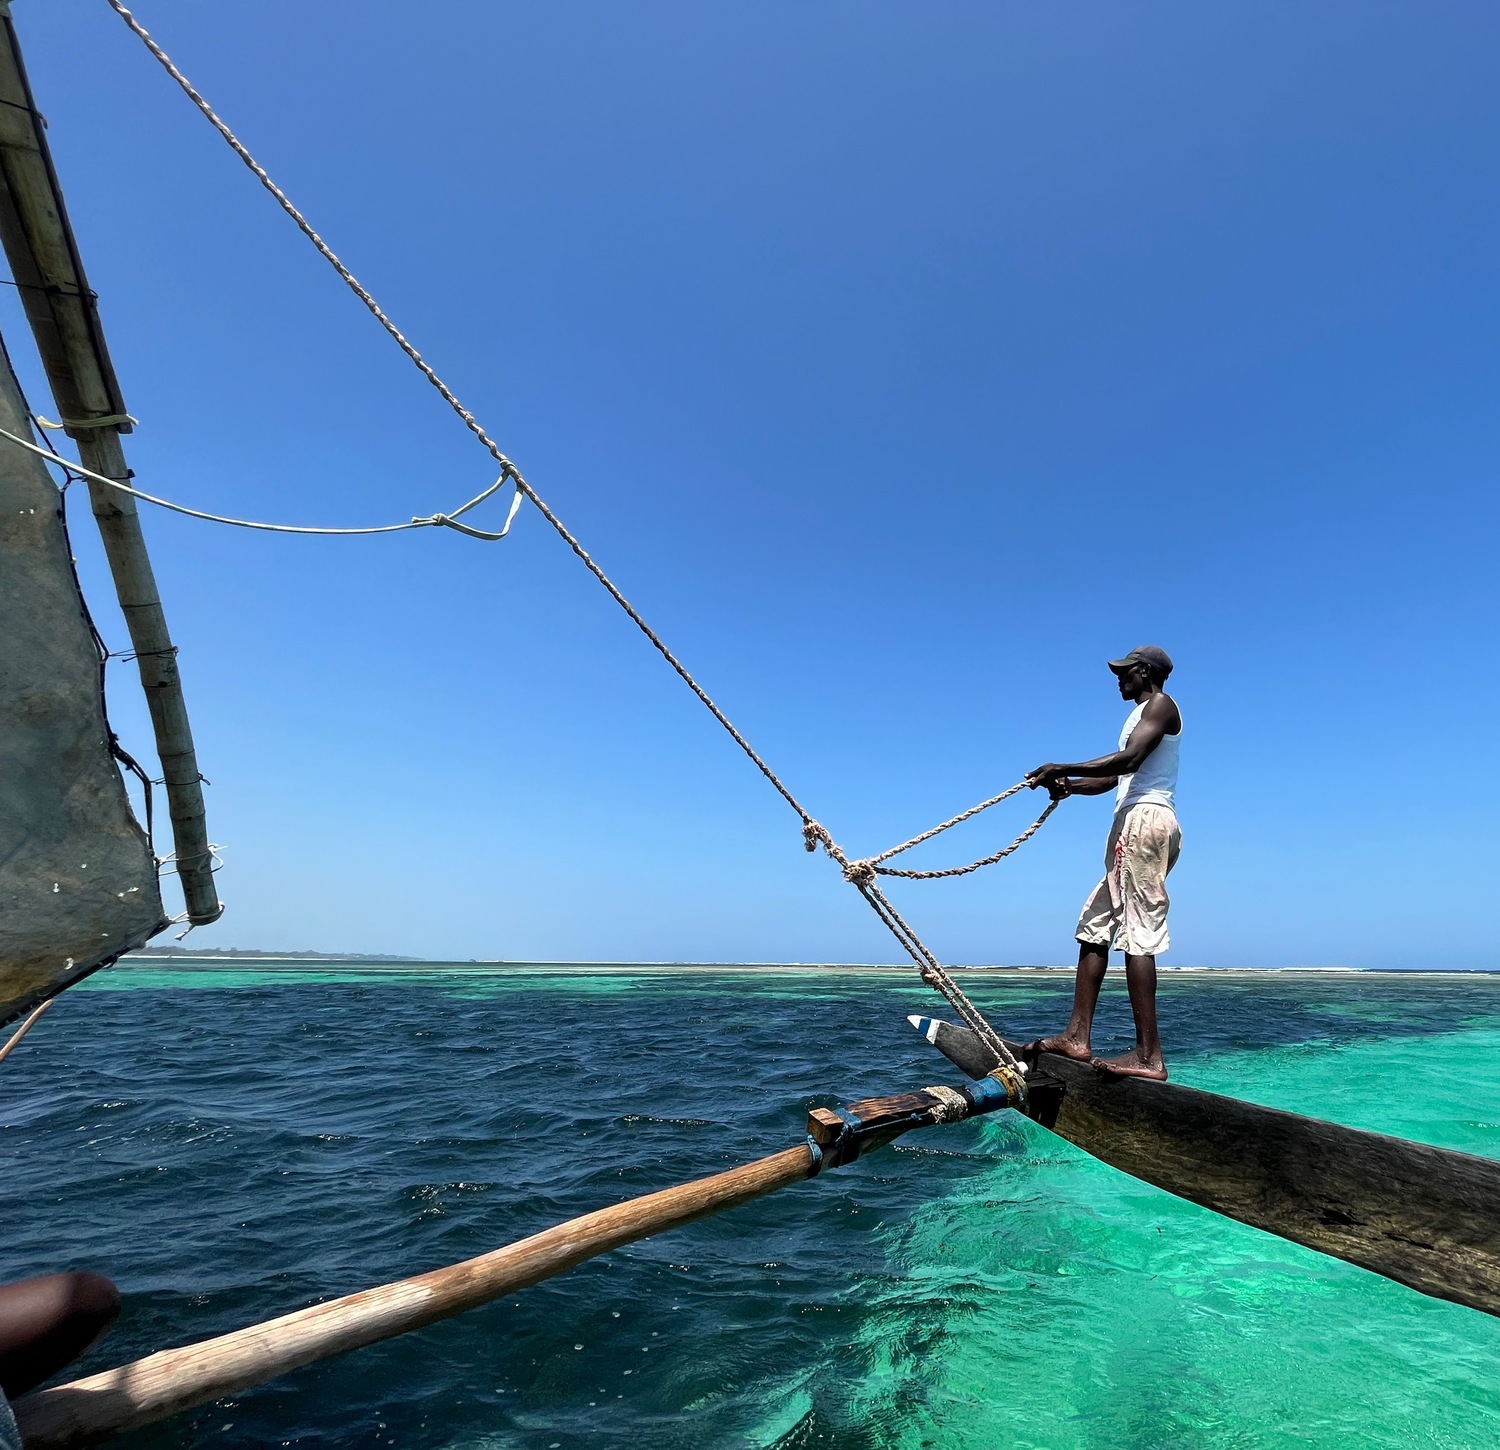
(860, 873)
(813, 836)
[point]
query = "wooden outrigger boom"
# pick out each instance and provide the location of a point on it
(88, 1410)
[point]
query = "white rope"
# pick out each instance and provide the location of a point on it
(112, 421)
(449, 521)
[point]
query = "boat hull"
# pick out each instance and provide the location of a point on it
(1426, 1217)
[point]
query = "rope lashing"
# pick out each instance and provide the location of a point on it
(814, 834)
(113, 420)
(448, 521)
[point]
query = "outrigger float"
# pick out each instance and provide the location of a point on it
(1422, 1216)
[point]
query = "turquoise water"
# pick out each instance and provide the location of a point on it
(232, 1143)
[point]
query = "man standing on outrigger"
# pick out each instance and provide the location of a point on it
(1128, 907)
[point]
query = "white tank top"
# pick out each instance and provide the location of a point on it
(1155, 783)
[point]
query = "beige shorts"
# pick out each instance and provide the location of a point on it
(1128, 909)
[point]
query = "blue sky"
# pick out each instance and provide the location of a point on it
(902, 364)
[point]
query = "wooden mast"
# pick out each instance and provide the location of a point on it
(44, 260)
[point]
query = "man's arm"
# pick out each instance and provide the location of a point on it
(1094, 785)
(1159, 713)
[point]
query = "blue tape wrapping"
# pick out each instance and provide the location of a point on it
(987, 1094)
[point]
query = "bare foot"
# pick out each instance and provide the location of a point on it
(1132, 1064)
(1063, 1046)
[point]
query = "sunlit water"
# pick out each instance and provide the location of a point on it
(233, 1144)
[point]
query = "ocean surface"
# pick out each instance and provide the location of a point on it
(231, 1143)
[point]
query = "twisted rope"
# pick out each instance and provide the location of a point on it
(931, 970)
(957, 820)
(1020, 841)
(862, 874)
(448, 521)
(867, 868)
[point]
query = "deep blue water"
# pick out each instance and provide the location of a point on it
(230, 1145)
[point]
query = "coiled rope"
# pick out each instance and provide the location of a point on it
(862, 873)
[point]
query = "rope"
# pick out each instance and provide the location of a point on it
(813, 834)
(868, 867)
(23, 1029)
(1020, 841)
(469, 421)
(932, 971)
(957, 820)
(113, 420)
(449, 521)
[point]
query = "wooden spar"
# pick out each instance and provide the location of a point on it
(87, 1410)
(176, 1379)
(44, 260)
(1425, 1217)
(23, 1029)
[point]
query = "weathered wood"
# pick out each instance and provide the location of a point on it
(163, 1384)
(824, 1126)
(1425, 1217)
(882, 1112)
(54, 292)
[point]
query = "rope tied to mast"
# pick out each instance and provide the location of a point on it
(862, 874)
(418, 521)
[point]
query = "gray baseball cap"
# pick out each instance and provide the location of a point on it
(1146, 654)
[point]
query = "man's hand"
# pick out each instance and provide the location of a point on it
(1053, 777)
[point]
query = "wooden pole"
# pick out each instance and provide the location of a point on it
(54, 290)
(163, 1384)
(23, 1029)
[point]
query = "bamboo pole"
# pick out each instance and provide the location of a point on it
(163, 1384)
(54, 291)
(23, 1029)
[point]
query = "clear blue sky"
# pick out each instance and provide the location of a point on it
(902, 363)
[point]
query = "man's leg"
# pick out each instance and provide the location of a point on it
(1097, 924)
(1073, 1040)
(46, 1323)
(1149, 840)
(1145, 1059)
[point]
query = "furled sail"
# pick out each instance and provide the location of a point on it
(78, 881)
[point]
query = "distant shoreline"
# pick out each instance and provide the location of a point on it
(314, 960)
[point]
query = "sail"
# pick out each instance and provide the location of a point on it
(78, 881)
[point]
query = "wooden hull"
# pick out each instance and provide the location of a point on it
(1426, 1217)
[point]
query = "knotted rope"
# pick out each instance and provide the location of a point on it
(861, 873)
